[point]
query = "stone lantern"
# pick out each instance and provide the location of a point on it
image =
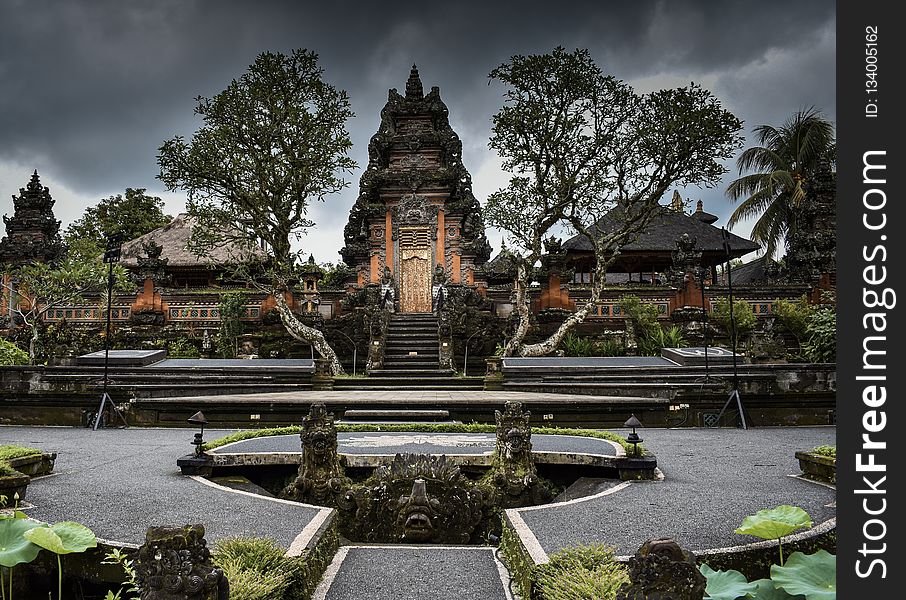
(311, 275)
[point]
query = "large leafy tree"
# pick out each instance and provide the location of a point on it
(272, 142)
(780, 166)
(131, 215)
(582, 145)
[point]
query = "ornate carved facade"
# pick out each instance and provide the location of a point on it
(415, 208)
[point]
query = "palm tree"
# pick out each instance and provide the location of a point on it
(783, 162)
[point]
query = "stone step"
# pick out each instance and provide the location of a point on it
(412, 372)
(394, 365)
(396, 415)
(390, 380)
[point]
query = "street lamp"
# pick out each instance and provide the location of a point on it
(198, 419)
(111, 256)
(633, 438)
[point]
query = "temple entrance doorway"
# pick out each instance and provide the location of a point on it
(415, 270)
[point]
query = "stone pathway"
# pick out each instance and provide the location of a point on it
(713, 479)
(415, 573)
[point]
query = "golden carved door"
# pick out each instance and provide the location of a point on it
(415, 270)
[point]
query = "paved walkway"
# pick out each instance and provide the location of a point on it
(713, 478)
(118, 482)
(414, 573)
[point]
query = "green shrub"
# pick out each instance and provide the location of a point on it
(611, 346)
(794, 316)
(822, 335)
(11, 354)
(182, 348)
(8, 471)
(573, 345)
(830, 451)
(231, 310)
(9, 452)
(580, 573)
(256, 568)
(742, 314)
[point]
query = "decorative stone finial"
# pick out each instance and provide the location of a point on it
(662, 570)
(414, 90)
(174, 563)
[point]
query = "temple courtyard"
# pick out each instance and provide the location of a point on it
(118, 482)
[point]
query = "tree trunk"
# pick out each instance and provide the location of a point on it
(523, 309)
(33, 346)
(304, 333)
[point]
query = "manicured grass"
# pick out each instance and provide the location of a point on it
(417, 428)
(9, 452)
(830, 451)
(8, 471)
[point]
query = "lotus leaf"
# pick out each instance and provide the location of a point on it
(774, 523)
(811, 575)
(726, 585)
(766, 590)
(15, 548)
(65, 537)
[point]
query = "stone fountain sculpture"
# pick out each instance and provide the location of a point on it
(513, 474)
(321, 479)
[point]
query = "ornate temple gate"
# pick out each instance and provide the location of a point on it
(415, 270)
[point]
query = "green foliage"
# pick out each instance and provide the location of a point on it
(231, 310)
(743, 315)
(7, 471)
(11, 354)
(181, 348)
(256, 568)
(15, 548)
(130, 586)
(65, 537)
(781, 167)
(726, 585)
(41, 287)
(8, 452)
(272, 142)
(573, 345)
(794, 316)
(650, 336)
(811, 575)
(580, 573)
(335, 275)
(822, 335)
(580, 144)
(830, 451)
(133, 215)
(775, 523)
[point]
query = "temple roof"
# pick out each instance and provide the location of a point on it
(662, 233)
(174, 238)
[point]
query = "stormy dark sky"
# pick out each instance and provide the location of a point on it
(89, 90)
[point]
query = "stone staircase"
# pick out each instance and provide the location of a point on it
(411, 360)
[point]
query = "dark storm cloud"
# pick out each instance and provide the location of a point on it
(89, 90)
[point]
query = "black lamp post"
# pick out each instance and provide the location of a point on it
(703, 274)
(111, 256)
(633, 438)
(198, 419)
(734, 395)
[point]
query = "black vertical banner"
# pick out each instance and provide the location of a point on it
(871, 267)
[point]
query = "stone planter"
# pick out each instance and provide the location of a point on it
(35, 465)
(10, 485)
(818, 467)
